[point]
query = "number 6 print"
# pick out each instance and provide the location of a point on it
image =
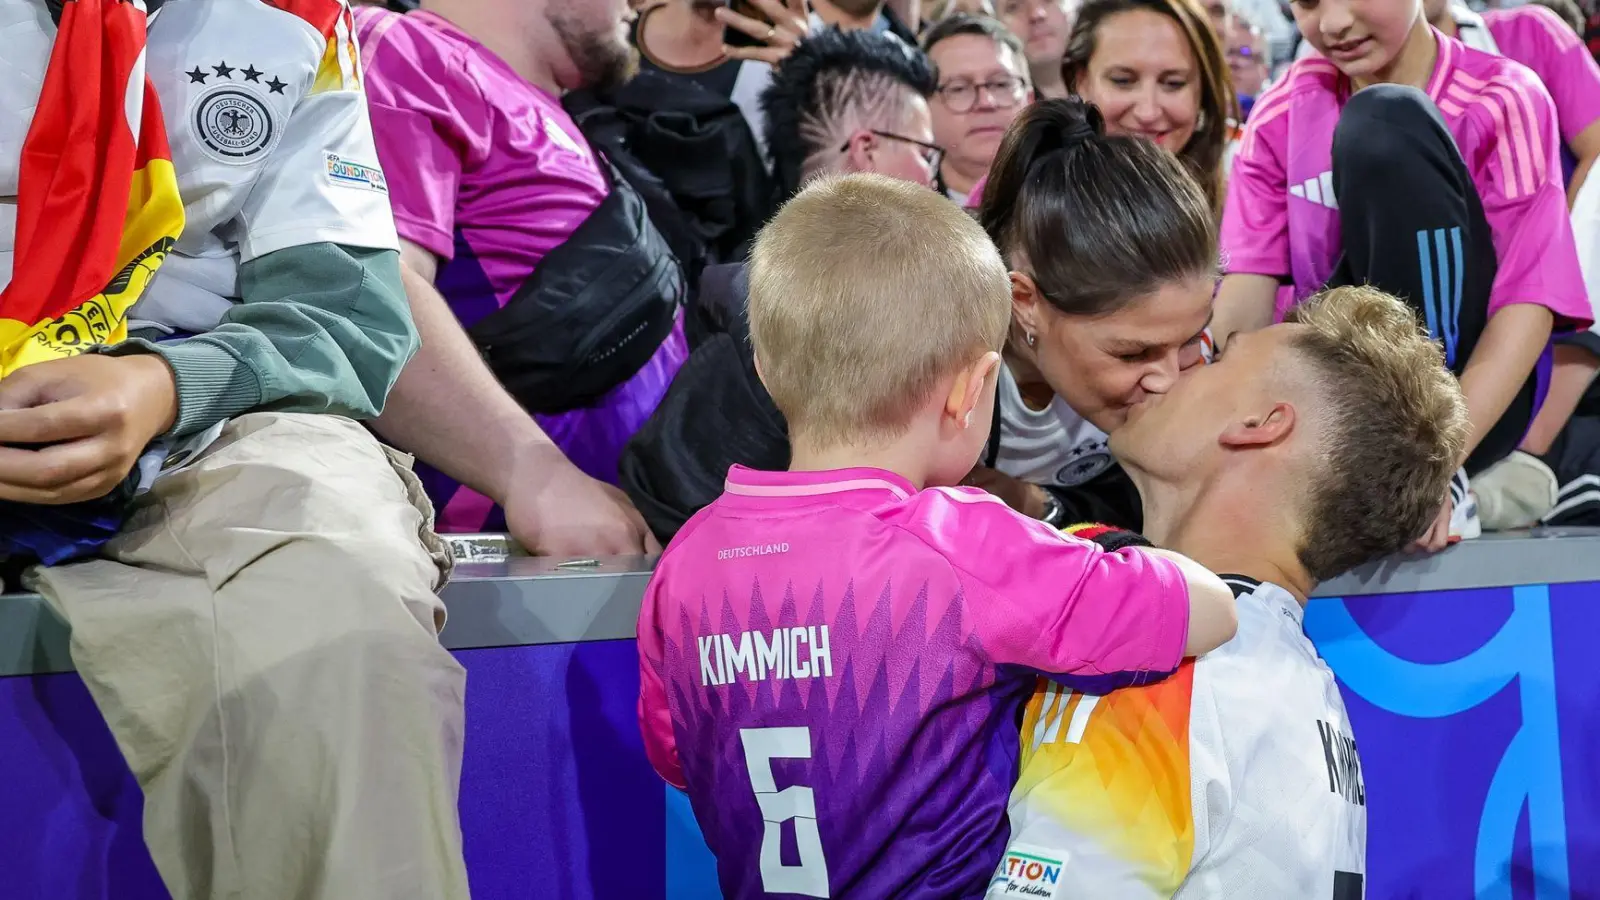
(761, 747)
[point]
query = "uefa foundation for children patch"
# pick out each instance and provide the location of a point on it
(342, 172)
(1028, 871)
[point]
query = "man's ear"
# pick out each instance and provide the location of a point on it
(858, 151)
(966, 393)
(1256, 430)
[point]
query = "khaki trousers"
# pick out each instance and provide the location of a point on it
(262, 639)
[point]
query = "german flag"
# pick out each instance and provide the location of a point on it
(97, 205)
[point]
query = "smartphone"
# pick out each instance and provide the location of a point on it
(733, 37)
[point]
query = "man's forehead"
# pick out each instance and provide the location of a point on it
(970, 55)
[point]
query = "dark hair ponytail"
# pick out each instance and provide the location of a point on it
(1099, 220)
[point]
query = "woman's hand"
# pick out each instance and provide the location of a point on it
(1021, 496)
(786, 23)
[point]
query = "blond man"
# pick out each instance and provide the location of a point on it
(832, 658)
(1306, 449)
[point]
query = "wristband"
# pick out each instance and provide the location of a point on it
(1112, 539)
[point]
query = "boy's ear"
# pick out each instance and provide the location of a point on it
(967, 393)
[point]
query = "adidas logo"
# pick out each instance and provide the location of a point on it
(1318, 190)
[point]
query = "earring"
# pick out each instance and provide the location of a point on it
(1032, 341)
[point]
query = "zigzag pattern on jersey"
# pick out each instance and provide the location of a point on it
(880, 695)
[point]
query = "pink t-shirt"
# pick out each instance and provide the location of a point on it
(1281, 218)
(1537, 38)
(489, 173)
(843, 657)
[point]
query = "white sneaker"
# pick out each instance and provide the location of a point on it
(1464, 522)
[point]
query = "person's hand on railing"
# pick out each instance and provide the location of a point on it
(554, 509)
(786, 23)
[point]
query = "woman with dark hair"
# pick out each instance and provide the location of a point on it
(1156, 69)
(1113, 251)
(1114, 255)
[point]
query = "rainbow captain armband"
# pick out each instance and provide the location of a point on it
(1112, 539)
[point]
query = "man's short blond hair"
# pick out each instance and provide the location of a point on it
(865, 291)
(1396, 427)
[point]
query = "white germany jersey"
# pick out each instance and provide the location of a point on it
(1235, 779)
(269, 133)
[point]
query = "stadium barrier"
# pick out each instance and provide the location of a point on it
(1472, 680)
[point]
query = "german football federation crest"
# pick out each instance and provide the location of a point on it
(233, 125)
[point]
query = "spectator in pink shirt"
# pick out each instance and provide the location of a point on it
(1406, 160)
(524, 248)
(833, 657)
(1538, 38)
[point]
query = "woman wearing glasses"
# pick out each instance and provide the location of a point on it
(983, 85)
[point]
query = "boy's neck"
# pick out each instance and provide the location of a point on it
(1413, 65)
(897, 457)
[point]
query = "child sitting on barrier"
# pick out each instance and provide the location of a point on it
(832, 658)
(1407, 161)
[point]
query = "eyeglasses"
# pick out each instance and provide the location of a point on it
(962, 96)
(932, 154)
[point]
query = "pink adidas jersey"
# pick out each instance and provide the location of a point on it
(1537, 38)
(1282, 219)
(832, 664)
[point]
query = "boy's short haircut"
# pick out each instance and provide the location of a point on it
(864, 292)
(1397, 427)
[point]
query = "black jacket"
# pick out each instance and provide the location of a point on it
(717, 414)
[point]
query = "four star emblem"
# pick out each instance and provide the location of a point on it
(222, 70)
